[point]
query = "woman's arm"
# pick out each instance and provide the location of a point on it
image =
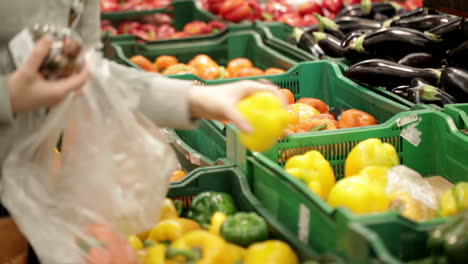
(165, 101)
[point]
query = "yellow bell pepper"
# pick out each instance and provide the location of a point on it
(370, 152)
(135, 242)
(268, 118)
(454, 200)
(313, 169)
(377, 174)
(270, 252)
(172, 229)
(360, 195)
(236, 253)
(200, 247)
(168, 210)
(217, 221)
(156, 254)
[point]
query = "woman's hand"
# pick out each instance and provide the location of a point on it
(29, 90)
(219, 102)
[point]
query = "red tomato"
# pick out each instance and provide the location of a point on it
(318, 104)
(288, 95)
(356, 118)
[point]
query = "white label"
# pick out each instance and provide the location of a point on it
(304, 223)
(194, 159)
(412, 134)
(407, 120)
(21, 47)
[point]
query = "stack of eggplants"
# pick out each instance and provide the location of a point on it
(421, 55)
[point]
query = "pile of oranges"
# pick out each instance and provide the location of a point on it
(203, 66)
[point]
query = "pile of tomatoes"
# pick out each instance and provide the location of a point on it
(312, 114)
(203, 66)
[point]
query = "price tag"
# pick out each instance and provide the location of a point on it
(412, 134)
(407, 120)
(194, 159)
(304, 223)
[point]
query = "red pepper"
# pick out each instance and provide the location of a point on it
(165, 31)
(309, 8)
(309, 20)
(126, 27)
(214, 6)
(277, 8)
(333, 6)
(109, 6)
(292, 19)
(216, 24)
(109, 29)
(235, 10)
(197, 27)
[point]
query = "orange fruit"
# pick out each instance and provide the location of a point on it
(289, 95)
(164, 61)
(246, 72)
(274, 71)
(238, 64)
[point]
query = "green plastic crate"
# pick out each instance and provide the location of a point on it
(324, 80)
(182, 11)
(442, 151)
(246, 44)
(230, 180)
(459, 114)
(203, 146)
(276, 35)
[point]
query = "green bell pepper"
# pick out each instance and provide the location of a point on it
(205, 204)
(450, 241)
(244, 229)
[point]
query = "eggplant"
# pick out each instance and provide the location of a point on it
(349, 24)
(348, 42)
(421, 60)
(384, 73)
(458, 57)
(422, 23)
(306, 42)
(401, 91)
(393, 43)
(329, 44)
(389, 9)
(422, 11)
(326, 25)
(429, 94)
(450, 35)
(455, 82)
(364, 10)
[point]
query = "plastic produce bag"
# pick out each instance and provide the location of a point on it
(410, 194)
(109, 181)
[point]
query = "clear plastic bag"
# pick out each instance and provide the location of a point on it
(109, 181)
(410, 194)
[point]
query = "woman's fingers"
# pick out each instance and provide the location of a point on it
(38, 55)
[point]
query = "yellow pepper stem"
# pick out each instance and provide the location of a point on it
(192, 256)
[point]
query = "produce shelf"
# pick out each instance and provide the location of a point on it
(441, 151)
